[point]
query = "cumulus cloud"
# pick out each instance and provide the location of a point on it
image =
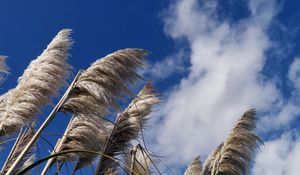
(225, 79)
(279, 157)
(286, 111)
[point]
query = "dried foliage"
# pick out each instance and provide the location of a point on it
(128, 125)
(194, 168)
(20, 145)
(42, 79)
(235, 155)
(104, 81)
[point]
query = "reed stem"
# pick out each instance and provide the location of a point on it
(45, 124)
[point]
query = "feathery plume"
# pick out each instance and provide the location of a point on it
(238, 150)
(42, 79)
(128, 125)
(3, 68)
(20, 145)
(208, 165)
(194, 168)
(96, 90)
(85, 133)
(104, 81)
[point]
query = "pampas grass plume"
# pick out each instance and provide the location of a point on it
(194, 168)
(42, 79)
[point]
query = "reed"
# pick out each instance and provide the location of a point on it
(235, 154)
(194, 168)
(41, 80)
(128, 126)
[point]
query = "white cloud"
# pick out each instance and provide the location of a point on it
(287, 109)
(225, 79)
(171, 65)
(279, 157)
(294, 73)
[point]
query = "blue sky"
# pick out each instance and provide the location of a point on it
(211, 60)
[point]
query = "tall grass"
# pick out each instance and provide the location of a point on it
(92, 138)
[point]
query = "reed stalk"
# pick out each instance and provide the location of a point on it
(45, 124)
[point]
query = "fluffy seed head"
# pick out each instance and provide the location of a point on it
(41, 80)
(86, 133)
(237, 152)
(129, 124)
(194, 168)
(3, 68)
(100, 86)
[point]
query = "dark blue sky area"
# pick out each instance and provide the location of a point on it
(100, 27)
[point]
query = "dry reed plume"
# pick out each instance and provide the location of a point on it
(99, 87)
(236, 153)
(3, 68)
(194, 168)
(42, 79)
(128, 126)
(85, 133)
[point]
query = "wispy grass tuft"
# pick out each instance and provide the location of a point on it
(128, 125)
(236, 153)
(85, 133)
(3, 68)
(194, 168)
(100, 86)
(97, 90)
(41, 80)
